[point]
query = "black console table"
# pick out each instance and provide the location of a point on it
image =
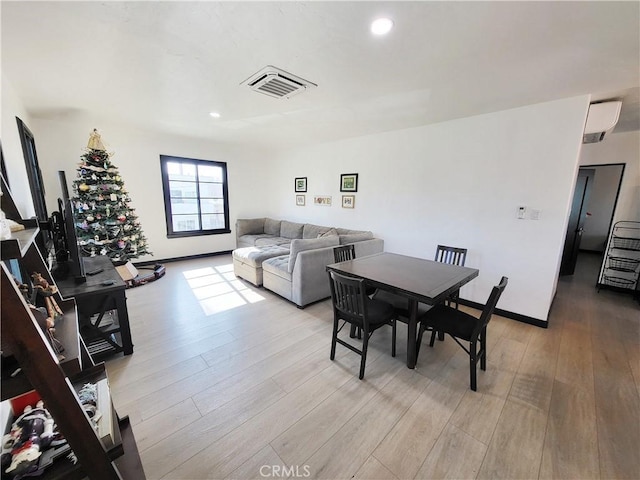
(102, 308)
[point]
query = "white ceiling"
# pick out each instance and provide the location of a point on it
(165, 65)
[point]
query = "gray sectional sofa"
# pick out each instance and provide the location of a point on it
(290, 258)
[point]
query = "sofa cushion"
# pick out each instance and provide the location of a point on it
(300, 245)
(254, 256)
(355, 237)
(252, 226)
(291, 229)
(332, 232)
(250, 240)
(313, 231)
(271, 240)
(272, 227)
(278, 266)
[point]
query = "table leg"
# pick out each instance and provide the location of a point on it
(123, 319)
(411, 333)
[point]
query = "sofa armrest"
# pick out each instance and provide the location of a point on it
(309, 280)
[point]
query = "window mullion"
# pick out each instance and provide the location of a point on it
(198, 195)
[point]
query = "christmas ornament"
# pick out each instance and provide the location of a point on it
(83, 187)
(113, 197)
(122, 218)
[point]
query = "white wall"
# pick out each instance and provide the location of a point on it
(456, 183)
(12, 107)
(620, 148)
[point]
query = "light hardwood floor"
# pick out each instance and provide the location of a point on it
(231, 381)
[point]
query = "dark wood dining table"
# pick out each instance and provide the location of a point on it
(417, 279)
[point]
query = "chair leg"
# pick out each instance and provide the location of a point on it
(393, 338)
(472, 366)
(334, 338)
(433, 338)
(483, 349)
(365, 345)
(419, 339)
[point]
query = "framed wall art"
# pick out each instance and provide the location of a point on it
(301, 184)
(300, 200)
(348, 201)
(324, 201)
(349, 182)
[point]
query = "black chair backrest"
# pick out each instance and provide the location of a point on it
(451, 255)
(490, 306)
(348, 297)
(344, 253)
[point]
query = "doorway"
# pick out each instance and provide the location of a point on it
(577, 218)
(601, 206)
(598, 209)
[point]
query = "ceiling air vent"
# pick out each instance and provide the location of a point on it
(277, 83)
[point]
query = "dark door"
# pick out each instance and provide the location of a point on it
(33, 170)
(35, 183)
(576, 221)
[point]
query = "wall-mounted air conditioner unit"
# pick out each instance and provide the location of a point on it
(601, 120)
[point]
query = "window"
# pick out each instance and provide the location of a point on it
(196, 200)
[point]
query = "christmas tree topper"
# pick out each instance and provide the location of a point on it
(95, 142)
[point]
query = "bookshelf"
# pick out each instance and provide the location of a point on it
(105, 452)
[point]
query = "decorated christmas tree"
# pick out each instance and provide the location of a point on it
(105, 222)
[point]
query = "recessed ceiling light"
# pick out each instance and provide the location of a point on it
(381, 26)
(214, 114)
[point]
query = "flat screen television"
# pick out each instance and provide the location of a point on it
(69, 263)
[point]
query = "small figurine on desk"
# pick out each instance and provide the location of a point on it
(42, 286)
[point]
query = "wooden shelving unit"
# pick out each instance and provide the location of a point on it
(106, 453)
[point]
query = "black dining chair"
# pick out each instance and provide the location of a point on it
(352, 305)
(344, 253)
(452, 256)
(463, 326)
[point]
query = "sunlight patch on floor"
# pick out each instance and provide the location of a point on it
(218, 289)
